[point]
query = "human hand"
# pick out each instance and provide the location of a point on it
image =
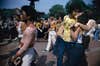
(77, 24)
(72, 25)
(13, 58)
(16, 60)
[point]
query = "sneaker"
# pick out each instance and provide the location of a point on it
(45, 50)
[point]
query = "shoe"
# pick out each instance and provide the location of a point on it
(45, 50)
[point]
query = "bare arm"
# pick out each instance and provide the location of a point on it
(85, 27)
(91, 23)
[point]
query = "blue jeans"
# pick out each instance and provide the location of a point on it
(96, 35)
(74, 52)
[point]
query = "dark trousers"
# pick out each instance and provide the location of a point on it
(74, 52)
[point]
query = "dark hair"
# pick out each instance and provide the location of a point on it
(71, 16)
(83, 18)
(30, 11)
(87, 14)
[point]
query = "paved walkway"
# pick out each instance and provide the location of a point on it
(48, 59)
(44, 59)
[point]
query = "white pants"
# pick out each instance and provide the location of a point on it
(28, 57)
(51, 39)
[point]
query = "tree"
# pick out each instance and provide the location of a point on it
(57, 11)
(74, 5)
(7, 12)
(96, 4)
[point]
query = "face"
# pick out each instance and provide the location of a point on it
(24, 15)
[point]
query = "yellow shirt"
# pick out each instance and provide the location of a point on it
(38, 25)
(67, 23)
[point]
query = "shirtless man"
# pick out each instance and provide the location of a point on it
(28, 40)
(51, 35)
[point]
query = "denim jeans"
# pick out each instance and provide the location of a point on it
(96, 35)
(28, 57)
(74, 52)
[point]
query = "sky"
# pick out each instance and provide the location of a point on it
(41, 5)
(45, 5)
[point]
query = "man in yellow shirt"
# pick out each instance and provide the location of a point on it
(64, 41)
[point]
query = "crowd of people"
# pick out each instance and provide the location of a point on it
(69, 35)
(7, 28)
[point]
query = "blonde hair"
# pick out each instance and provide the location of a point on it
(91, 23)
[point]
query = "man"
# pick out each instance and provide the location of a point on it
(28, 40)
(63, 34)
(65, 42)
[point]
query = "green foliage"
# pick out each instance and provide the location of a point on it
(74, 5)
(45, 16)
(57, 10)
(93, 9)
(96, 10)
(7, 12)
(96, 4)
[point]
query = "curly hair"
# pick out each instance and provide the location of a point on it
(30, 11)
